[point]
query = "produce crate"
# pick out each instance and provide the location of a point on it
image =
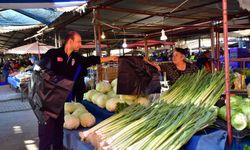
(238, 135)
(109, 73)
(235, 53)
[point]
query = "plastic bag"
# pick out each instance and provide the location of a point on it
(136, 77)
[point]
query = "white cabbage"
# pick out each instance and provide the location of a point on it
(143, 101)
(114, 82)
(71, 122)
(66, 113)
(78, 112)
(103, 87)
(95, 96)
(111, 104)
(80, 106)
(87, 120)
(89, 94)
(115, 89)
(111, 94)
(69, 107)
(128, 97)
(101, 100)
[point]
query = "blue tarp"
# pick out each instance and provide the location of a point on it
(16, 13)
(23, 17)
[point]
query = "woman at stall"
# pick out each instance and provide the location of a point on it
(179, 66)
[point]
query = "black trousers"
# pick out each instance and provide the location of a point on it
(78, 91)
(51, 134)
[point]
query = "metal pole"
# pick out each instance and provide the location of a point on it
(96, 45)
(55, 40)
(217, 54)
(94, 28)
(199, 44)
(99, 32)
(98, 49)
(59, 39)
(146, 47)
(227, 75)
(39, 56)
(212, 46)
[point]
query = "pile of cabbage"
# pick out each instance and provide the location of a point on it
(75, 115)
(240, 112)
(105, 96)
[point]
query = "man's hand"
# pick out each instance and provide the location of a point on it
(108, 59)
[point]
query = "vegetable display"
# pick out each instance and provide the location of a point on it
(104, 96)
(75, 115)
(168, 123)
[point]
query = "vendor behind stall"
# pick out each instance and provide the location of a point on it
(203, 61)
(178, 67)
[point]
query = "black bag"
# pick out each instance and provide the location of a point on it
(136, 77)
(47, 94)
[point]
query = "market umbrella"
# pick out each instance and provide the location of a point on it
(91, 45)
(33, 48)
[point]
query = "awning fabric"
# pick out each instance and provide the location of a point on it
(18, 28)
(16, 4)
(18, 14)
(33, 48)
(149, 43)
(245, 4)
(23, 17)
(91, 45)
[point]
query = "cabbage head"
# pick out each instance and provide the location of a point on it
(69, 107)
(87, 120)
(103, 87)
(71, 122)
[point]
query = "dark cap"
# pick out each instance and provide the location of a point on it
(184, 51)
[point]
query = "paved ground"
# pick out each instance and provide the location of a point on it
(18, 131)
(18, 127)
(14, 105)
(6, 93)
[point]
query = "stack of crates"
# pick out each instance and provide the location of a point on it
(108, 72)
(235, 53)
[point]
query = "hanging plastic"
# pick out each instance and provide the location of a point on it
(136, 77)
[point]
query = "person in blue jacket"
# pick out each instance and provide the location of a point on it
(6, 70)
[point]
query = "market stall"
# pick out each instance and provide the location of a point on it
(211, 138)
(19, 82)
(175, 138)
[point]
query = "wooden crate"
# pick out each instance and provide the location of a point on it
(109, 73)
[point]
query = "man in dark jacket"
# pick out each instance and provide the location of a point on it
(63, 62)
(79, 86)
